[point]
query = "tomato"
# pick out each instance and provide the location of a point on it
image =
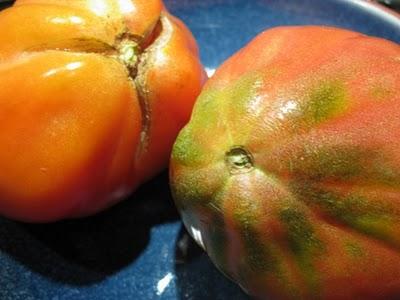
(288, 172)
(92, 96)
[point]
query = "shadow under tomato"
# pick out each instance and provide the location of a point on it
(6, 3)
(85, 251)
(197, 277)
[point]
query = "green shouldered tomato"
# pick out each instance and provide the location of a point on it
(288, 173)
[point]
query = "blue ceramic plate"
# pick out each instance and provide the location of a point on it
(138, 249)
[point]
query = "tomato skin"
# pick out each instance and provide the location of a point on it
(84, 119)
(288, 172)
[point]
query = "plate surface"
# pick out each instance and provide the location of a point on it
(138, 249)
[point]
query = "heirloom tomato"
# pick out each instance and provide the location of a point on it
(92, 96)
(288, 173)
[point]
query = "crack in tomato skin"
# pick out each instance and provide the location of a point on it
(128, 47)
(62, 41)
(134, 52)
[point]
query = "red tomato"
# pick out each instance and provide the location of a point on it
(288, 172)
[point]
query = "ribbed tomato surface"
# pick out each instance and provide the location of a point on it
(288, 173)
(92, 96)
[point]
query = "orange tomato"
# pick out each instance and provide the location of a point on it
(92, 96)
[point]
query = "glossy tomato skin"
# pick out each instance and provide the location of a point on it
(288, 172)
(92, 96)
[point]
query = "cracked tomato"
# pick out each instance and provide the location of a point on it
(288, 173)
(92, 96)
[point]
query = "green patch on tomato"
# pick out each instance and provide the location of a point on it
(368, 216)
(304, 244)
(326, 100)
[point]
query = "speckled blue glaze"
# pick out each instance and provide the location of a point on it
(224, 26)
(139, 249)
